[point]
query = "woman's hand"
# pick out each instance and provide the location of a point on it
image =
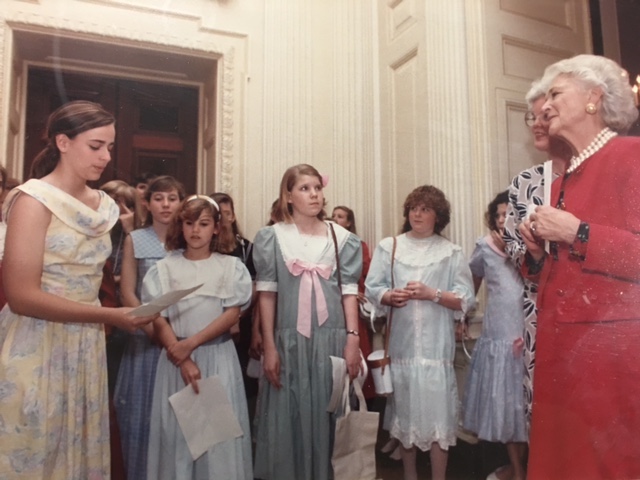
(190, 374)
(129, 323)
(126, 218)
(180, 351)
(256, 347)
(398, 297)
(533, 245)
(271, 367)
(553, 224)
(498, 240)
(419, 291)
(352, 356)
(462, 331)
(361, 298)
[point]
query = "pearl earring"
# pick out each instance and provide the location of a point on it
(591, 109)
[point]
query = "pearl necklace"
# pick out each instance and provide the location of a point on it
(600, 141)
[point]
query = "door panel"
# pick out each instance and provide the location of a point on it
(156, 125)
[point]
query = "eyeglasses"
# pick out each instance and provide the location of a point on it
(531, 118)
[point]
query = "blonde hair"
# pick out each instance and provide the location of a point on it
(283, 210)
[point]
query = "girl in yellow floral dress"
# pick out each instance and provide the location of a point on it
(54, 420)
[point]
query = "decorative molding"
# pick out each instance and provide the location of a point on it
(127, 5)
(227, 124)
(525, 60)
(205, 43)
(17, 19)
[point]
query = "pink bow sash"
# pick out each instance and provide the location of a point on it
(309, 282)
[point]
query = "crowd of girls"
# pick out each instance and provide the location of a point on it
(307, 277)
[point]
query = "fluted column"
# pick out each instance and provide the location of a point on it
(451, 150)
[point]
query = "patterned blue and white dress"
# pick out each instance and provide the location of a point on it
(527, 188)
(136, 376)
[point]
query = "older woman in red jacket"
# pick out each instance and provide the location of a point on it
(586, 407)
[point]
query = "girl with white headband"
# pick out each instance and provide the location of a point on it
(195, 336)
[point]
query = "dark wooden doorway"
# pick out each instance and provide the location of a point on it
(156, 125)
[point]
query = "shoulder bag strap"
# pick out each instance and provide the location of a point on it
(387, 334)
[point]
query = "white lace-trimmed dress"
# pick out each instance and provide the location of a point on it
(493, 403)
(295, 432)
(54, 416)
(227, 284)
(424, 406)
(134, 385)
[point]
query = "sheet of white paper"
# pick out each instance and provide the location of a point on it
(339, 367)
(548, 180)
(207, 418)
(158, 304)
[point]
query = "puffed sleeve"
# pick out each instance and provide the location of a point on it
(152, 288)
(242, 287)
(379, 277)
(462, 286)
(476, 263)
(351, 264)
(264, 260)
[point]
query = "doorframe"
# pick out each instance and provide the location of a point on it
(223, 52)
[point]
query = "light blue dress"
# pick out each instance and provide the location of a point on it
(226, 283)
(424, 406)
(134, 385)
(493, 403)
(295, 432)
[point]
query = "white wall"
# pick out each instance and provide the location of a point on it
(307, 81)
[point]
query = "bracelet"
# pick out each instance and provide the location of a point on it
(353, 332)
(438, 296)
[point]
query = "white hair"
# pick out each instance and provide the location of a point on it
(592, 71)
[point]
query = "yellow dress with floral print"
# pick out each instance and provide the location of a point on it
(54, 421)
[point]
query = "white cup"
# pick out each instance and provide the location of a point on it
(381, 372)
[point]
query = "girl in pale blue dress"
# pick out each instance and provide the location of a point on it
(136, 375)
(302, 309)
(494, 396)
(195, 336)
(433, 289)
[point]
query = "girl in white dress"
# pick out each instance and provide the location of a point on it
(194, 334)
(433, 288)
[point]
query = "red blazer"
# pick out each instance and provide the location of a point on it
(604, 286)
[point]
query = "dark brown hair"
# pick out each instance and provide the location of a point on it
(283, 211)
(191, 209)
(164, 183)
(70, 119)
(228, 237)
(492, 210)
(430, 197)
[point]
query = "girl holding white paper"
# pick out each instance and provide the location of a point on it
(194, 334)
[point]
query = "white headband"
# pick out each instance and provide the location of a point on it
(203, 197)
